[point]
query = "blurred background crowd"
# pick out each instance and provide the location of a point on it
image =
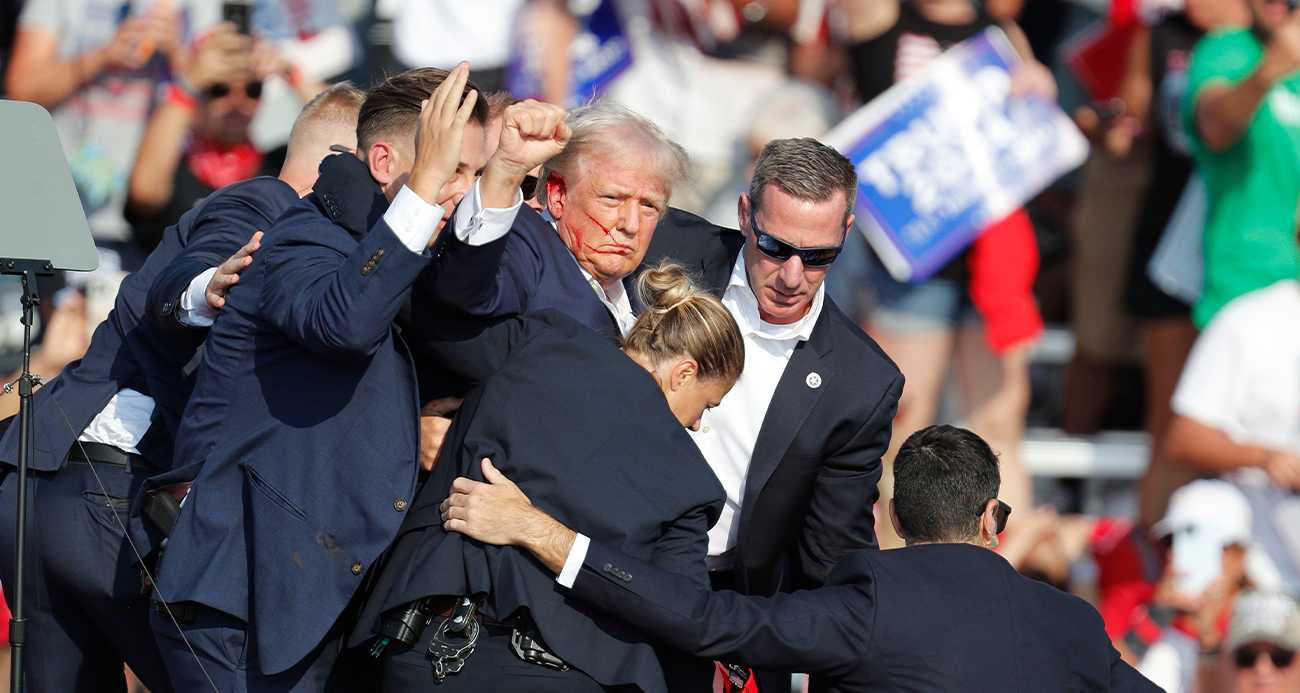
(1147, 380)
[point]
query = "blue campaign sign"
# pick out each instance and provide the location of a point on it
(599, 53)
(945, 153)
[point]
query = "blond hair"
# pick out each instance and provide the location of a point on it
(681, 319)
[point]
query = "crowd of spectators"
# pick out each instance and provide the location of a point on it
(158, 103)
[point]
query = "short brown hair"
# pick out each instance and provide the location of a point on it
(681, 319)
(805, 169)
(392, 107)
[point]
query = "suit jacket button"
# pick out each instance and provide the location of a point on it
(608, 568)
(379, 253)
(399, 504)
(366, 270)
(357, 568)
(167, 308)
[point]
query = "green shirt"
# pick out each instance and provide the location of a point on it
(1254, 187)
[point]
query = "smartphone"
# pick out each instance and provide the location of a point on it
(239, 14)
(1197, 559)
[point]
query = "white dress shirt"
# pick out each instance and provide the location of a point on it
(729, 431)
(123, 422)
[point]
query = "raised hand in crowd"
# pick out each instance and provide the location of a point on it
(1283, 467)
(440, 135)
(531, 133)
(265, 61)
(435, 419)
(37, 73)
(222, 56)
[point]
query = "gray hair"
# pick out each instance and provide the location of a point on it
(805, 169)
(608, 131)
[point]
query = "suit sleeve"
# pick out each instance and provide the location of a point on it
(227, 223)
(683, 547)
(334, 303)
(821, 632)
(841, 515)
(496, 279)
(1125, 679)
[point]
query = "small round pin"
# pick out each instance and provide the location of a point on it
(813, 380)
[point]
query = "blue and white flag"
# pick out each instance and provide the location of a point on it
(946, 152)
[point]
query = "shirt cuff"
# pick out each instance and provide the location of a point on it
(572, 564)
(412, 220)
(478, 226)
(194, 308)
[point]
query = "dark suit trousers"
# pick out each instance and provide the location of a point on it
(493, 666)
(227, 651)
(82, 596)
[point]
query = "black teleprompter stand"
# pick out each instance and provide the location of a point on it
(42, 229)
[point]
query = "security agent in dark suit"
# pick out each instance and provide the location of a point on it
(604, 193)
(109, 421)
(596, 440)
(798, 445)
(943, 614)
(301, 436)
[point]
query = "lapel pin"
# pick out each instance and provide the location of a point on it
(813, 380)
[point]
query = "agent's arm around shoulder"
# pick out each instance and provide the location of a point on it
(826, 631)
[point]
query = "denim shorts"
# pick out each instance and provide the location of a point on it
(933, 306)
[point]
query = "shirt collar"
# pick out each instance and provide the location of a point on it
(744, 305)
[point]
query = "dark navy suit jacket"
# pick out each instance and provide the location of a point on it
(588, 435)
(529, 268)
(130, 351)
(303, 427)
(813, 474)
(936, 617)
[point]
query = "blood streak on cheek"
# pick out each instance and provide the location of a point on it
(608, 232)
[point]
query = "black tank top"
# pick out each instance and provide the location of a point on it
(907, 47)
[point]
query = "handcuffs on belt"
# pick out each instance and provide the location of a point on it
(454, 640)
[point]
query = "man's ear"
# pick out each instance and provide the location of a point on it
(382, 160)
(742, 213)
(557, 195)
(989, 522)
(893, 519)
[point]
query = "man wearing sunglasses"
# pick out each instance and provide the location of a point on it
(1262, 640)
(943, 614)
(798, 441)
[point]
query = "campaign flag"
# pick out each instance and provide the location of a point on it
(946, 152)
(599, 52)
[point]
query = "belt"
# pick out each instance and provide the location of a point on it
(99, 453)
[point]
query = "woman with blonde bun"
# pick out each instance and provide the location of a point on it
(597, 438)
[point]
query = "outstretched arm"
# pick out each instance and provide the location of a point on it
(824, 631)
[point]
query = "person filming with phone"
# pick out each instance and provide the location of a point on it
(197, 140)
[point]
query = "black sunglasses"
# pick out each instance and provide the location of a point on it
(999, 514)
(781, 251)
(1247, 659)
(220, 90)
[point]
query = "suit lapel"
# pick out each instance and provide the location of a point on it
(793, 400)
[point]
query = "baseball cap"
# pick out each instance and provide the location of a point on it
(1211, 505)
(1272, 617)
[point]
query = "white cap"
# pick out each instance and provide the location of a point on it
(1209, 505)
(1270, 617)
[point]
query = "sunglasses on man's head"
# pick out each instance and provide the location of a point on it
(1247, 659)
(781, 251)
(219, 90)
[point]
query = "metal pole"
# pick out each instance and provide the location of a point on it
(18, 624)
